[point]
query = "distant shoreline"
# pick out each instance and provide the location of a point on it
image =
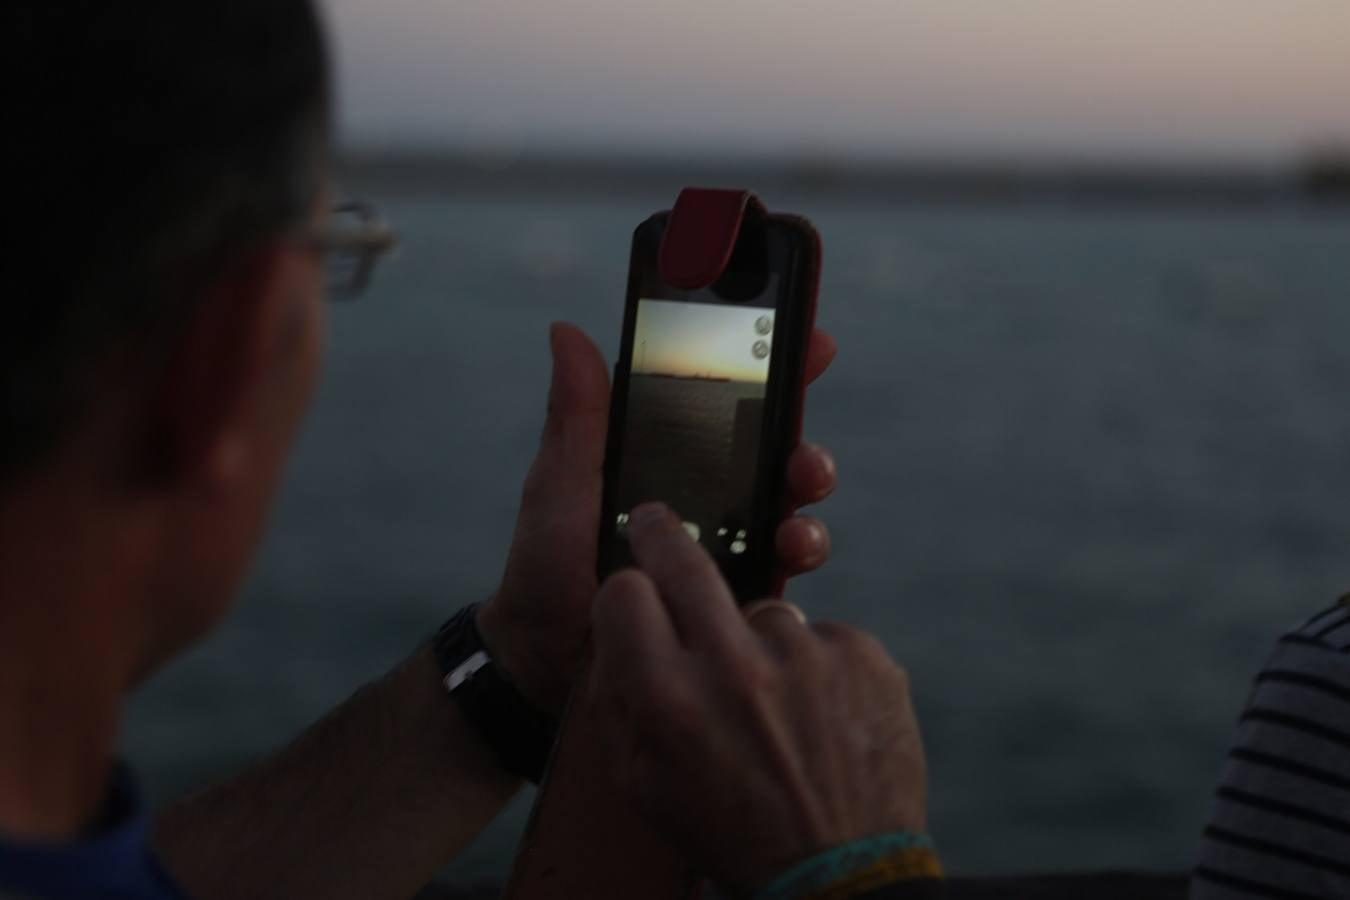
(1322, 184)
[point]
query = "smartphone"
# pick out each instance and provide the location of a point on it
(707, 397)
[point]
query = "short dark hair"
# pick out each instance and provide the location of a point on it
(159, 139)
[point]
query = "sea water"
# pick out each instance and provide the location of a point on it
(1092, 461)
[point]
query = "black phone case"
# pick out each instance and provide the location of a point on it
(757, 574)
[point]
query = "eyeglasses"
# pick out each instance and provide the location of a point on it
(352, 241)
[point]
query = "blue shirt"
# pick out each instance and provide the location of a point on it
(114, 862)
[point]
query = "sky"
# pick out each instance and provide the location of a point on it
(706, 339)
(1242, 80)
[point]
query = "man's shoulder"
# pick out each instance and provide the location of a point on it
(1280, 824)
(1328, 630)
(1304, 687)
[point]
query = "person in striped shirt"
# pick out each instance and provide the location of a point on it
(1280, 826)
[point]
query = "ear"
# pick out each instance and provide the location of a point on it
(214, 386)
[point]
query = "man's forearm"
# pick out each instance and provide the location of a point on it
(367, 803)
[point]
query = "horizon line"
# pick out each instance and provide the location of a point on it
(1320, 178)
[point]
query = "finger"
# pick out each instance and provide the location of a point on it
(631, 631)
(803, 544)
(572, 448)
(762, 608)
(834, 632)
(852, 640)
(820, 352)
(811, 475)
(698, 599)
(780, 624)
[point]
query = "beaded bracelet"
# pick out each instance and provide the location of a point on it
(862, 865)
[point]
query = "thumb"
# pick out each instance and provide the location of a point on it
(573, 442)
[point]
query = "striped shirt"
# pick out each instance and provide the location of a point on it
(1281, 820)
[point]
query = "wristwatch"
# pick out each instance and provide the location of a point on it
(521, 734)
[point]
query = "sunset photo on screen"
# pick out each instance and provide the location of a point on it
(695, 409)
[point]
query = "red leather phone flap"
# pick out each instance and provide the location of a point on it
(701, 235)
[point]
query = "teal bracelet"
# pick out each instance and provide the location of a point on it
(825, 868)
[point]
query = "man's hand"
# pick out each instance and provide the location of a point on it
(377, 796)
(537, 622)
(754, 740)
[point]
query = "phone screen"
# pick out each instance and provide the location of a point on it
(705, 400)
(695, 415)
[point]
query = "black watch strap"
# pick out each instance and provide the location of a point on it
(521, 734)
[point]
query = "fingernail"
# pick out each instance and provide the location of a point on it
(761, 607)
(647, 514)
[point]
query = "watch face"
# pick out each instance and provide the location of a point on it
(466, 670)
(521, 735)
